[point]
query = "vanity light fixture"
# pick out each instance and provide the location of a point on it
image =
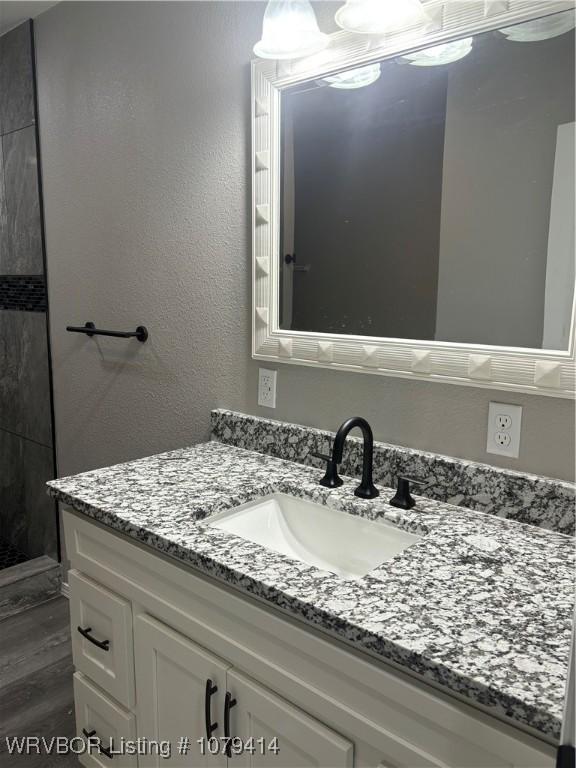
(445, 53)
(541, 29)
(354, 78)
(289, 31)
(377, 17)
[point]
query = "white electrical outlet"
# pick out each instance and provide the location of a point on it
(502, 439)
(504, 424)
(266, 388)
(503, 421)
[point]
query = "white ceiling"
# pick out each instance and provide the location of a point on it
(14, 12)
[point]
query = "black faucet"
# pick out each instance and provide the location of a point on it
(366, 489)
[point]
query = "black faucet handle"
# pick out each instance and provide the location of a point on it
(403, 498)
(331, 478)
(322, 456)
(412, 480)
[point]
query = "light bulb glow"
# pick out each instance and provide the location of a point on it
(541, 29)
(445, 53)
(354, 78)
(289, 31)
(374, 17)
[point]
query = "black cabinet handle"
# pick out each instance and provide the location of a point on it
(211, 689)
(102, 749)
(105, 751)
(229, 702)
(102, 644)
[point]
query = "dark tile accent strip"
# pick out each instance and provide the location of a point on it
(23, 292)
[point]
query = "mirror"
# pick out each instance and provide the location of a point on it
(430, 196)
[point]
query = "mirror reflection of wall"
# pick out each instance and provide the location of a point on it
(435, 201)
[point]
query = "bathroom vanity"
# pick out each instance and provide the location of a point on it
(410, 219)
(451, 652)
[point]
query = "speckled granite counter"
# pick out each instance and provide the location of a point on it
(527, 498)
(481, 606)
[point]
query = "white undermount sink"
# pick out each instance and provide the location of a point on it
(347, 545)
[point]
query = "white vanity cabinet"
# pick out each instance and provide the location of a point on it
(173, 674)
(171, 633)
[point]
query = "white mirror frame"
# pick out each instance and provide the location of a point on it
(541, 372)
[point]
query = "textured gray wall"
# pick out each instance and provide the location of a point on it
(145, 130)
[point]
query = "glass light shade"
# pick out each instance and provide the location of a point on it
(445, 53)
(289, 31)
(375, 17)
(354, 78)
(541, 29)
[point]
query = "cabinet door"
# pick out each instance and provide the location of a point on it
(172, 674)
(261, 716)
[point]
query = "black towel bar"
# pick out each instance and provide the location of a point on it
(141, 333)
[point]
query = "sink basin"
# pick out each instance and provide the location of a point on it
(347, 545)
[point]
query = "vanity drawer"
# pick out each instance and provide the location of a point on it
(102, 637)
(98, 715)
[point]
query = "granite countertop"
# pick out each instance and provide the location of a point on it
(480, 606)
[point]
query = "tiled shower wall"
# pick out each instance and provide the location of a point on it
(27, 515)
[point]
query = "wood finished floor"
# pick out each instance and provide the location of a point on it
(36, 697)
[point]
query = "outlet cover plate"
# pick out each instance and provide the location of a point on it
(504, 426)
(267, 388)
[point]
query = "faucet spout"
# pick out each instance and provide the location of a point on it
(366, 489)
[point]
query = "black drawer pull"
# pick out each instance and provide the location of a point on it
(102, 644)
(229, 702)
(211, 689)
(105, 751)
(89, 735)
